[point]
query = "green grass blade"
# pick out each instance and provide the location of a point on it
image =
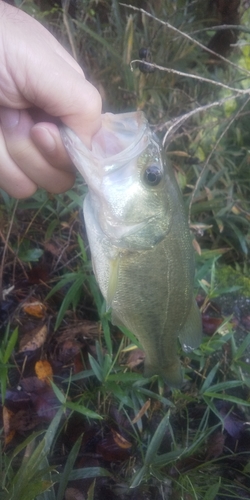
(83, 410)
(209, 378)
(64, 476)
(91, 491)
(223, 386)
(10, 345)
(96, 368)
(243, 346)
(138, 477)
(212, 491)
(228, 397)
(100, 39)
(156, 440)
(70, 298)
(88, 472)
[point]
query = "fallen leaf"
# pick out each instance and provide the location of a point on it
(73, 494)
(142, 411)
(24, 420)
(43, 370)
(234, 422)
(38, 274)
(135, 358)
(45, 403)
(78, 364)
(110, 451)
(210, 324)
(235, 210)
(85, 329)
(32, 385)
(34, 339)
(9, 432)
(68, 350)
(52, 248)
(196, 246)
(36, 309)
(42, 397)
(120, 440)
(215, 445)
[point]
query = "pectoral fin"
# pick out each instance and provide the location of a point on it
(191, 333)
(113, 281)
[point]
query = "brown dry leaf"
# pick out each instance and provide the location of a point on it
(215, 445)
(43, 370)
(9, 432)
(73, 494)
(236, 210)
(52, 248)
(210, 324)
(68, 350)
(135, 358)
(209, 193)
(78, 364)
(85, 328)
(110, 451)
(38, 273)
(120, 440)
(46, 404)
(196, 246)
(24, 420)
(34, 339)
(142, 411)
(36, 309)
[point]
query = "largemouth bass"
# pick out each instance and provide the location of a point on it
(139, 239)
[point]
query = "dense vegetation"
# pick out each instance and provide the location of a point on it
(79, 419)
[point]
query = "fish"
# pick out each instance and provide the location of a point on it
(139, 238)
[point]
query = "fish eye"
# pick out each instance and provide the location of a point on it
(152, 175)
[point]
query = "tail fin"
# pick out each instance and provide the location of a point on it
(172, 374)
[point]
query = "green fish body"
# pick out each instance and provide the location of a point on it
(139, 239)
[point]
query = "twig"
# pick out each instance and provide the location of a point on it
(222, 27)
(188, 37)
(211, 153)
(190, 75)
(175, 123)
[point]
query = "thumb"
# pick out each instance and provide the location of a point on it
(84, 114)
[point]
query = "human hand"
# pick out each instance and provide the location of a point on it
(38, 75)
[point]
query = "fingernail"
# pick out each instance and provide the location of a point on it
(43, 138)
(9, 117)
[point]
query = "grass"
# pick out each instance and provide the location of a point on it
(99, 427)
